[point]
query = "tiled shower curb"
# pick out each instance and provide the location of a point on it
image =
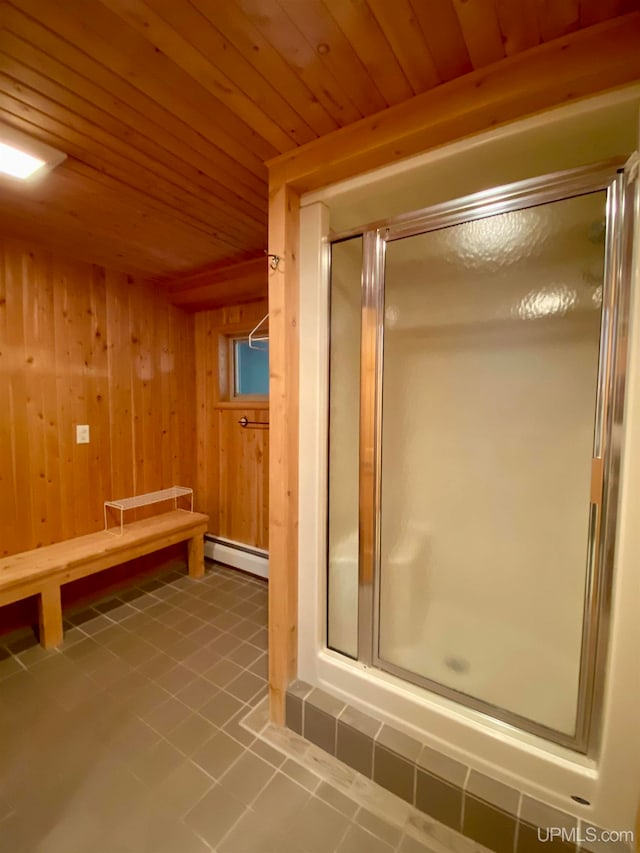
(481, 808)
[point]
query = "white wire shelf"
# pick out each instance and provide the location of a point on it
(124, 504)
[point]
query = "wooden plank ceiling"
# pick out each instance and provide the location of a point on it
(168, 109)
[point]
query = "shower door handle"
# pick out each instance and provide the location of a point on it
(597, 479)
(595, 521)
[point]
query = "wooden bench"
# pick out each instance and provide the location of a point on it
(43, 571)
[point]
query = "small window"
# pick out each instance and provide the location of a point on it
(250, 368)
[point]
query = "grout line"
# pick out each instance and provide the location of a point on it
(516, 835)
(233, 826)
(464, 797)
(347, 828)
(341, 712)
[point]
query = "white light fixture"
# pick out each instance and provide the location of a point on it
(25, 158)
(16, 163)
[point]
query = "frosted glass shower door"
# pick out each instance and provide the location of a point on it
(344, 444)
(490, 376)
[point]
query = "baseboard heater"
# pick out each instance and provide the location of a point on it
(237, 554)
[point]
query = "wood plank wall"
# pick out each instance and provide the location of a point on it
(233, 463)
(81, 344)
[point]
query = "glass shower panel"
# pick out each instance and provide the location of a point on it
(491, 343)
(344, 419)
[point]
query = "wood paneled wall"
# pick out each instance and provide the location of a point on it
(233, 462)
(80, 344)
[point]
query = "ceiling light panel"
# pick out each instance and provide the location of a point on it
(25, 158)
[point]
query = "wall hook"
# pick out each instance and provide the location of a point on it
(274, 260)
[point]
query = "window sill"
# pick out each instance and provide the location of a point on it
(243, 404)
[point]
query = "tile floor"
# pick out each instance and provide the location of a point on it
(128, 738)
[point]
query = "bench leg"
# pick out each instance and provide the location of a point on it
(196, 557)
(50, 617)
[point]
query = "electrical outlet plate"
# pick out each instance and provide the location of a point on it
(82, 434)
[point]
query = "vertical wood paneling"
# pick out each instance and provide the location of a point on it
(135, 367)
(233, 463)
(21, 458)
(46, 332)
(243, 477)
(81, 344)
(183, 376)
(78, 379)
(34, 364)
(7, 480)
(99, 392)
(120, 411)
(165, 454)
(64, 415)
(206, 421)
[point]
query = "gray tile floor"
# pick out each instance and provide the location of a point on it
(127, 739)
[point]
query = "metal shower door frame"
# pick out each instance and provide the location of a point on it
(620, 186)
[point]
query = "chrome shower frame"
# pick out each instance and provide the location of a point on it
(620, 184)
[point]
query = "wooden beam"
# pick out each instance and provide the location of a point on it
(578, 65)
(283, 446)
(214, 286)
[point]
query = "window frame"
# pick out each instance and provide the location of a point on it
(231, 364)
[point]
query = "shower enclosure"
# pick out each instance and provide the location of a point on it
(477, 363)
